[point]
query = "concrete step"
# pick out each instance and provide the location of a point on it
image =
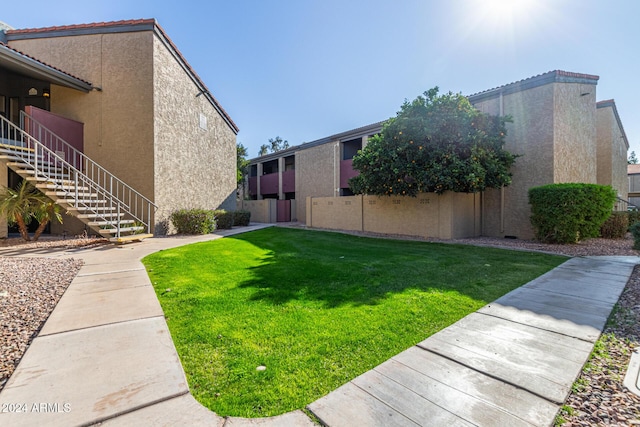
(130, 238)
(82, 203)
(71, 193)
(110, 223)
(108, 231)
(100, 215)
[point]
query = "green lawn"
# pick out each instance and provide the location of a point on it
(315, 308)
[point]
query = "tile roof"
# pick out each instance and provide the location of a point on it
(535, 81)
(124, 25)
(31, 58)
(96, 25)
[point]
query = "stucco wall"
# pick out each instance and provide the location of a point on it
(195, 163)
(446, 216)
(264, 211)
(118, 119)
(316, 174)
(506, 213)
(612, 153)
(144, 123)
(574, 127)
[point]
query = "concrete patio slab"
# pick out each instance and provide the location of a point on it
(112, 281)
(546, 318)
(405, 389)
(604, 291)
(508, 398)
(180, 411)
(533, 369)
(89, 270)
(98, 373)
(350, 406)
(82, 306)
(290, 419)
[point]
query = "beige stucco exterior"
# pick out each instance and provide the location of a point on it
(317, 170)
(554, 133)
(612, 150)
(446, 216)
(557, 131)
(149, 121)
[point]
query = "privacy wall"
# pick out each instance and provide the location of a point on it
(447, 216)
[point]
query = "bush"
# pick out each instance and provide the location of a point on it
(635, 230)
(634, 216)
(567, 213)
(241, 218)
(615, 227)
(224, 219)
(193, 221)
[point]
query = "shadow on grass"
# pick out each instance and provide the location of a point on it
(337, 269)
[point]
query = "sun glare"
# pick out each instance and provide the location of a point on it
(506, 10)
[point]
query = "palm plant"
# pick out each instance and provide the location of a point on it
(22, 205)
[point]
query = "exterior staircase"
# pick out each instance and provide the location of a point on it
(83, 188)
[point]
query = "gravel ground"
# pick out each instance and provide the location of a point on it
(31, 287)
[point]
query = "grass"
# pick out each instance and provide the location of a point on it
(315, 308)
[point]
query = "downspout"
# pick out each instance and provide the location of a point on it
(501, 188)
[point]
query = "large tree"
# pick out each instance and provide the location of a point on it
(436, 143)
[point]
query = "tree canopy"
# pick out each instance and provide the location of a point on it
(241, 163)
(436, 143)
(275, 144)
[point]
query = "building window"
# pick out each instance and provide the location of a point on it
(203, 122)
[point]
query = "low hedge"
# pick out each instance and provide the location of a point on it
(193, 221)
(634, 216)
(224, 219)
(568, 213)
(635, 230)
(616, 226)
(241, 218)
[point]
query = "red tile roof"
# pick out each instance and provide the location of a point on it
(97, 26)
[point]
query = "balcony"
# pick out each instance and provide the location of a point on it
(346, 172)
(253, 185)
(289, 181)
(269, 184)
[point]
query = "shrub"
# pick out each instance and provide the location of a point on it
(634, 216)
(193, 221)
(241, 218)
(224, 219)
(615, 227)
(567, 213)
(635, 230)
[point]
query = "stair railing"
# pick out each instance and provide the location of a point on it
(106, 192)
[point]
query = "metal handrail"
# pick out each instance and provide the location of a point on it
(49, 160)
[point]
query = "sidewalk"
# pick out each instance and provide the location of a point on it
(106, 356)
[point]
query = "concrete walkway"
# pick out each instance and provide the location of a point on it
(106, 356)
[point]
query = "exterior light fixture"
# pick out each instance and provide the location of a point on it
(46, 93)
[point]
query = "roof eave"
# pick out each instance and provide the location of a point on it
(16, 60)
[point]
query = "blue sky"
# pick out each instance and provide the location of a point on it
(305, 69)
